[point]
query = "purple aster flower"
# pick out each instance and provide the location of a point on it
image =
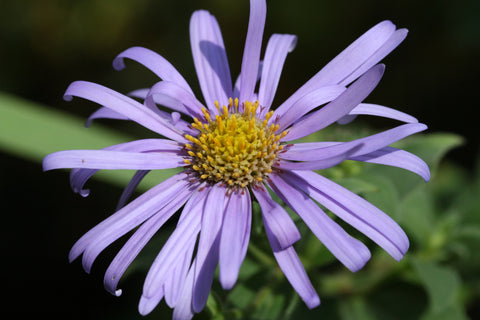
(235, 147)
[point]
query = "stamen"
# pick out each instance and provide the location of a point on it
(236, 148)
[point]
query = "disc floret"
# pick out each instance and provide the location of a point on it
(236, 146)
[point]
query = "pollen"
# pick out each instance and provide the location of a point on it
(236, 146)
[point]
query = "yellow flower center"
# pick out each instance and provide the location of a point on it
(235, 146)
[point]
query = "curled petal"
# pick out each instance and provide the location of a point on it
(379, 111)
(138, 240)
(153, 61)
(397, 158)
(130, 188)
(174, 97)
(124, 105)
(127, 218)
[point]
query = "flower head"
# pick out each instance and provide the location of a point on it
(233, 147)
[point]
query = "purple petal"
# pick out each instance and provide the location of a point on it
(339, 107)
(153, 61)
(130, 188)
(183, 309)
(78, 177)
(308, 103)
(174, 97)
(349, 60)
(360, 146)
(283, 229)
(124, 105)
(113, 160)
(326, 163)
(116, 230)
(293, 269)
(236, 88)
(175, 283)
(397, 158)
(210, 59)
(104, 113)
(208, 246)
(278, 47)
(351, 252)
(379, 111)
(138, 240)
(178, 244)
(134, 213)
(253, 46)
(354, 210)
(235, 236)
(388, 46)
(147, 304)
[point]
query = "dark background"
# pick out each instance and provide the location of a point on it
(45, 45)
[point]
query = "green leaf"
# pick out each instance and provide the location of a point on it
(31, 131)
(355, 308)
(441, 283)
(417, 215)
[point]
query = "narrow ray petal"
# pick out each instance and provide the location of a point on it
(78, 177)
(283, 229)
(130, 188)
(174, 97)
(177, 244)
(147, 304)
(153, 61)
(388, 46)
(279, 45)
(104, 113)
(114, 160)
(339, 107)
(138, 240)
(379, 111)
(234, 237)
(397, 158)
(137, 215)
(351, 252)
(308, 103)
(253, 46)
(184, 310)
(162, 193)
(349, 60)
(356, 211)
(208, 246)
(210, 59)
(359, 146)
(124, 105)
(294, 271)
